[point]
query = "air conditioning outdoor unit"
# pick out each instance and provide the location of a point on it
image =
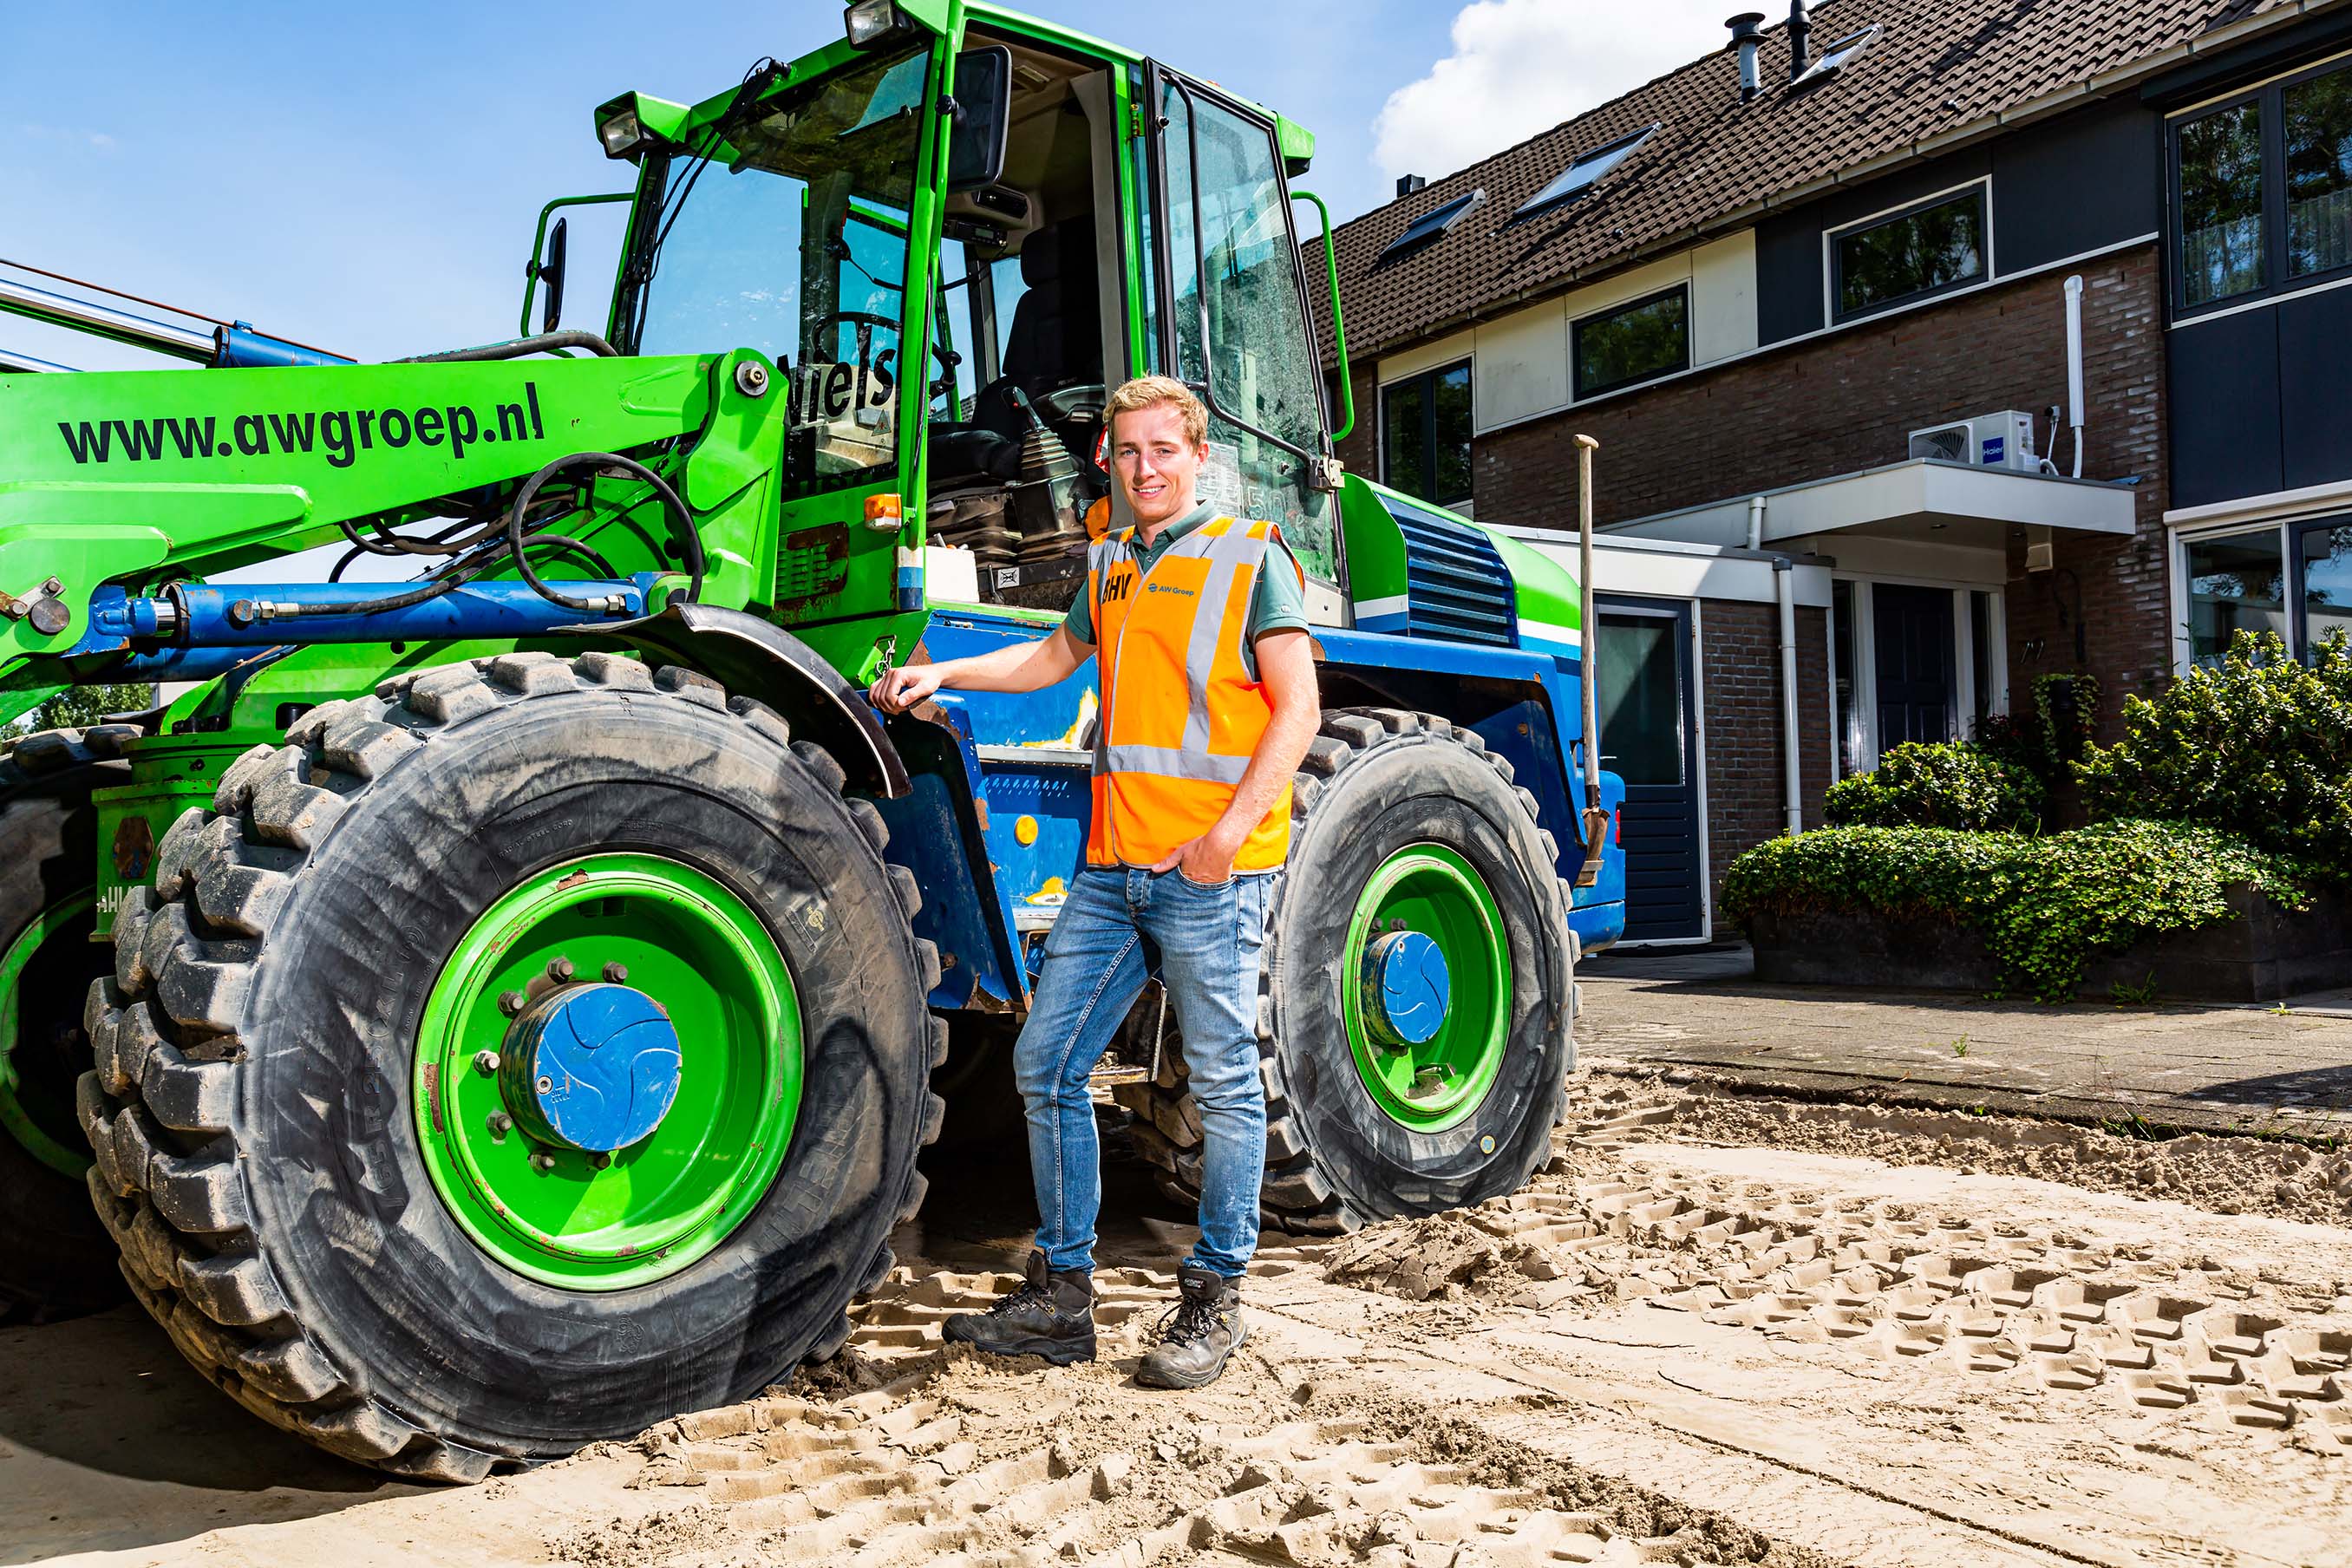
(2003, 440)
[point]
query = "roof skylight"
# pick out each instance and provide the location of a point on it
(1588, 170)
(1840, 54)
(1435, 224)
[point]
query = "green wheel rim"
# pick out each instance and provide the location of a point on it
(558, 1215)
(1431, 1086)
(34, 1126)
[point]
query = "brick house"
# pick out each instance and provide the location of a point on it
(1812, 293)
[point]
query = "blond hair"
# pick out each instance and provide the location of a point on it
(1151, 391)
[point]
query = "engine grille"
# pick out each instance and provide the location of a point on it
(1456, 587)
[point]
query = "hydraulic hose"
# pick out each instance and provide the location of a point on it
(693, 540)
(540, 342)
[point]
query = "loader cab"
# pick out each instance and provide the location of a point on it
(947, 345)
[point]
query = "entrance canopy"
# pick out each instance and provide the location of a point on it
(1957, 503)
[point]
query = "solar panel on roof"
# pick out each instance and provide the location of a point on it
(1586, 171)
(1436, 223)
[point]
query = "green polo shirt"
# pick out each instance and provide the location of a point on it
(1277, 604)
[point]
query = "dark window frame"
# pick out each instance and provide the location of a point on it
(1616, 151)
(1427, 381)
(1577, 390)
(2269, 101)
(1979, 190)
(1434, 224)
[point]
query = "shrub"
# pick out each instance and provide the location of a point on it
(2046, 905)
(2260, 746)
(1944, 785)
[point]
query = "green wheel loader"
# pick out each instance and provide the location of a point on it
(499, 1001)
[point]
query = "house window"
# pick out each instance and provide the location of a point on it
(2237, 582)
(2326, 572)
(2317, 117)
(1636, 342)
(2262, 190)
(1425, 434)
(2221, 205)
(1842, 54)
(1586, 172)
(1924, 250)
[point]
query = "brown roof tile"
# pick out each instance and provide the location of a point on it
(1938, 66)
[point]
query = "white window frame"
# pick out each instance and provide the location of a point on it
(1866, 657)
(2279, 528)
(1918, 203)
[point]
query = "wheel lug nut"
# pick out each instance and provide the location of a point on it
(599, 1160)
(543, 1162)
(486, 1063)
(560, 969)
(501, 1124)
(512, 1002)
(616, 973)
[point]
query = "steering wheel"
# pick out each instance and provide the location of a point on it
(1073, 402)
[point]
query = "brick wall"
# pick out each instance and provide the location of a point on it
(1848, 400)
(1740, 704)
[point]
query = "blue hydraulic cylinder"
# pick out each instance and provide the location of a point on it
(238, 347)
(264, 614)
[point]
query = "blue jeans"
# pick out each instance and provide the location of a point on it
(1118, 927)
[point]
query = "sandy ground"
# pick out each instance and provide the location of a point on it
(1716, 1328)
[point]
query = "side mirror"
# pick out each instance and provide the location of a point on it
(551, 278)
(983, 111)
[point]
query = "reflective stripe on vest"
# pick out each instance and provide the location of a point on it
(1180, 715)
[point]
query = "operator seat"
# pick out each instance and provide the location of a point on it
(1054, 340)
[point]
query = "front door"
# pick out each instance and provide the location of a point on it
(1913, 629)
(1649, 738)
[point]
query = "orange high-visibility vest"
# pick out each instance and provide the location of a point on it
(1180, 715)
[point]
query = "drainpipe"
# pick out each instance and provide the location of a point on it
(2075, 366)
(1784, 580)
(1784, 589)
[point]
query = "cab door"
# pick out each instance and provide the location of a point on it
(1231, 313)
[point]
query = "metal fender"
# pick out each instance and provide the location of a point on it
(752, 658)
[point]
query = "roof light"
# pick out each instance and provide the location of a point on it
(871, 21)
(1435, 224)
(1842, 54)
(621, 134)
(1587, 171)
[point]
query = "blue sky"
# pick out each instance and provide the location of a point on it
(365, 177)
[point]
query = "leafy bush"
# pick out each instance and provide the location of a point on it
(2046, 905)
(1942, 784)
(2260, 746)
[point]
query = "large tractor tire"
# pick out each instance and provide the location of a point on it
(54, 1259)
(1413, 1004)
(510, 1061)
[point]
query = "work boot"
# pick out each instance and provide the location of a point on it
(1052, 1314)
(1199, 1332)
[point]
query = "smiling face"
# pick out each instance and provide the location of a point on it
(1157, 468)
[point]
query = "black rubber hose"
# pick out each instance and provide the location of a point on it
(540, 342)
(603, 461)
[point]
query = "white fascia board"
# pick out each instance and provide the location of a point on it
(1683, 572)
(1921, 489)
(2323, 497)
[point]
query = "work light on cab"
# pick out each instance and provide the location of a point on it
(870, 22)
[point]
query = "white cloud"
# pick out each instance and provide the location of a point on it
(1519, 67)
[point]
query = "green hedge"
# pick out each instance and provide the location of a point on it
(2045, 905)
(2260, 746)
(1939, 784)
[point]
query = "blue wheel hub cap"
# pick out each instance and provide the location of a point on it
(1405, 988)
(593, 1067)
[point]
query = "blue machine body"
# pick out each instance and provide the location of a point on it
(995, 827)
(238, 347)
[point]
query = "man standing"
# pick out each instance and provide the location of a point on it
(1198, 624)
